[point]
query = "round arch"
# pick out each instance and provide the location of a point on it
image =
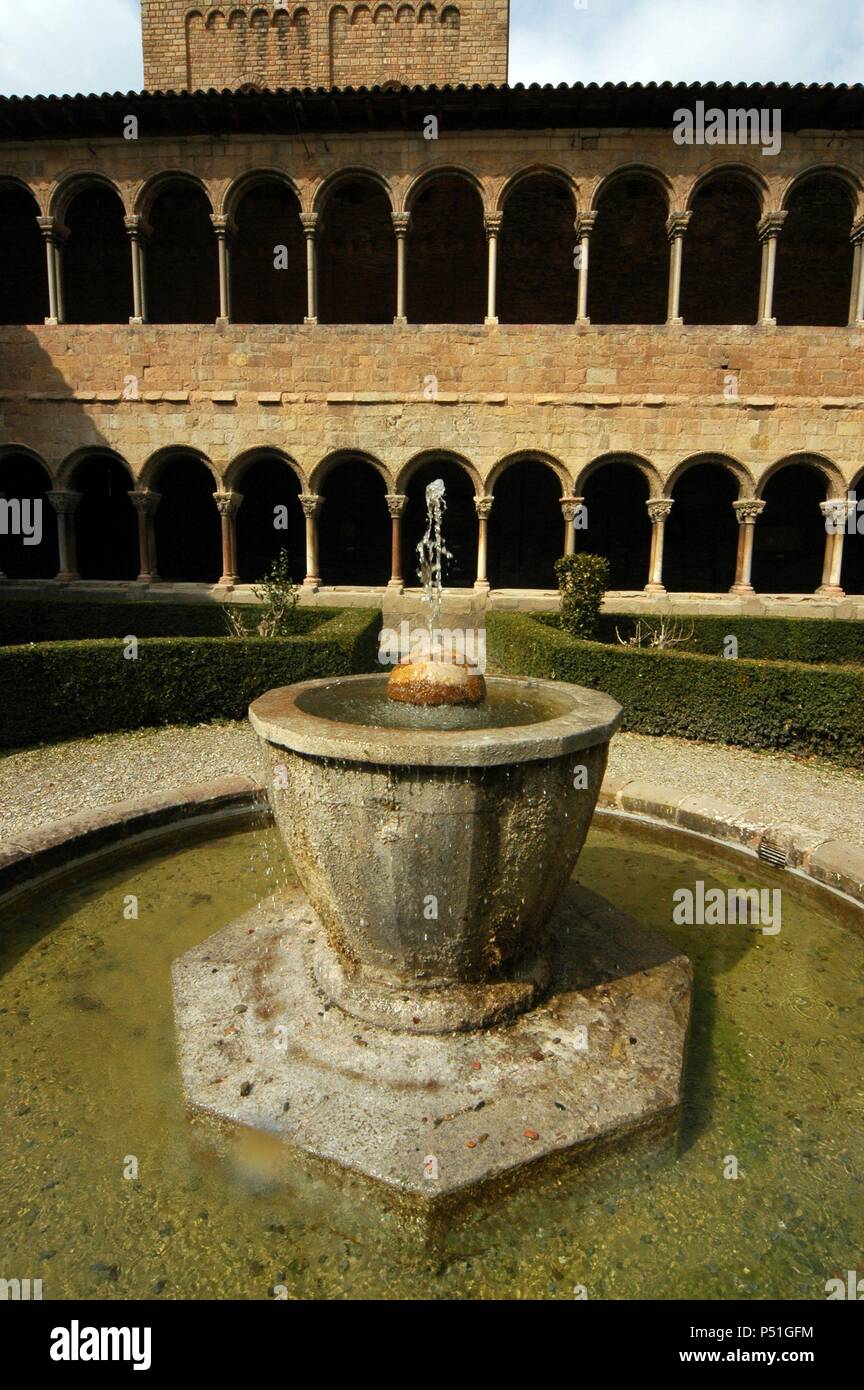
(615, 489)
(461, 525)
(548, 461)
(356, 245)
(70, 185)
(815, 255)
(537, 276)
(745, 172)
(741, 474)
(149, 190)
(722, 265)
(526, 526)
(239, 467)
(834, 484)
(152, 471)
(419, 461)
(553, 172)
(852, 183)
(447, 256)
(632, 170)
(270, 519)
(187, 526)
(645, 467)
(352, 173)
(418, 185)
(702, 529)
(23, 274)
(247, 182)
(25, 477)
(789, 544)
(181, 253)
(106, 526)
(268, 250)
(97, 252)
(354, 529)
(321, 471)
(629, 277)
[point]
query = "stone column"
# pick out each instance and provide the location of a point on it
(228, 504)
(396, 502)
(309, 221)
(659, 509)
(401, 223)
(836, 512)
(136, 230)
(224, 228)
(856, 300)
(48, 228)
(570, 508)
(769, 229)
(145, 504)
(748, 512)
(493, 229)
(311, 504)
(676, 226)
(65, 505)
(584, 227)
(2, 573)
(484, 509)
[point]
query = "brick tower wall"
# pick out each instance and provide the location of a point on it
(321, 44)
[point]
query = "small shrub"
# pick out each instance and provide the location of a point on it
(582, 580)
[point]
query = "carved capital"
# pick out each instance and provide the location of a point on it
(483, 507)
(584, 224)
(311, 504)
(401, 223)
(309, 222)
(223, 226)
(856, 236)
(748, 510)
(396, 503)
(52, 229)
(136, 228)
(771, 225)
(145, 503)
(493, 224)
(659, 508)
(64, 503)
(570, 507)
(677, 223)
(837, 511)
(228, 503)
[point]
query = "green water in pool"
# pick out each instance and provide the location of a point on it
(91, 1096)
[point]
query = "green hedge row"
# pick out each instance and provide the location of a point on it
(795, 707)
(59, 620)
(59, 690)
(763, 639)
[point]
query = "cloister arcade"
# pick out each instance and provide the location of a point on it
(351, 524)
(449, 248)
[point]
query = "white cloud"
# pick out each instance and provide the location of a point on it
(95, 45)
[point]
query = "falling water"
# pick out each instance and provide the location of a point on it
(432, 554)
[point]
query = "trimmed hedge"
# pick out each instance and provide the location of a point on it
(60, 690)
(792, 706)
(823, 640)
(60, 620)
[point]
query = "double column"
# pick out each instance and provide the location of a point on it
(659, 511)
(224, 229)
(856, 300)
(493, 231)
(836, 511)
(228, 505)
(769, 230)
(309, 223)
(55, 235)
(584, 225)
(401, 224)
(138, 231)
(65, 504)
(747, 511)
(146, 504)
(676, 228)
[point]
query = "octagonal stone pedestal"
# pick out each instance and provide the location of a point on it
(435, 1116)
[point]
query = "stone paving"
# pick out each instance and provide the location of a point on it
(41, 785)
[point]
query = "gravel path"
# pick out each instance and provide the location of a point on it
(41, 785)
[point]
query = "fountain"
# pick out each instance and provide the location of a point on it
(438, 961)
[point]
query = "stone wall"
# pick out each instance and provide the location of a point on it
(571, 395)
(322, 44)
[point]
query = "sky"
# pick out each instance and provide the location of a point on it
(51, 46)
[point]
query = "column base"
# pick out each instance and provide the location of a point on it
(66, 577)
(482, 586)
(583, 323)
(222, 322)
(675, 323)
(830, 591)
(654, 589)
(396, 586)
(135, 323)
(51, 323)
(147, 579)
(227, 581)
(767, 323)
(311, 323)
(491, 323)
(742, 590)
(400, 321)
(312, 582)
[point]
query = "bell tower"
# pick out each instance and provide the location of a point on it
(322, 44)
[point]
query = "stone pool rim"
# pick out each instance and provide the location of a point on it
(583, 718)
(92, 836)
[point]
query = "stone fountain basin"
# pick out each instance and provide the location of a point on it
(434, 857)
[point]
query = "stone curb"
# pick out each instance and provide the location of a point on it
(54, 847)
(832, 863)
